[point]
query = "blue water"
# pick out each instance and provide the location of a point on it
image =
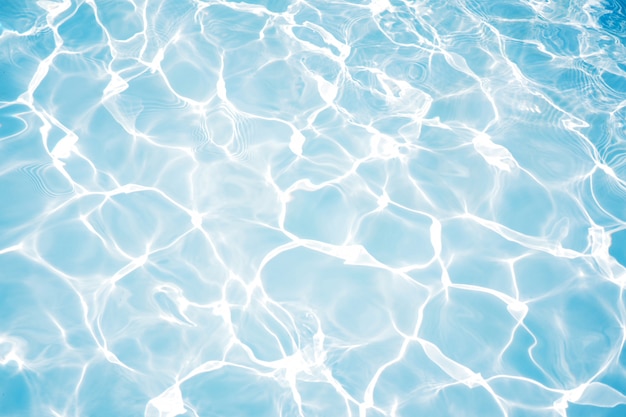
(387, 208)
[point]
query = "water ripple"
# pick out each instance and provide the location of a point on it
(372, 208)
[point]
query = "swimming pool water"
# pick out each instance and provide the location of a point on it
(312, 208)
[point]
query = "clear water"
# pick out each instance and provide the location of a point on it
(315, 208)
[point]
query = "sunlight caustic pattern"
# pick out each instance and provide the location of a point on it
(312, 208)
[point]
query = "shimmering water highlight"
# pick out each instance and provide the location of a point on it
(312, 208)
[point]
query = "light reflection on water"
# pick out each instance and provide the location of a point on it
(312, 208)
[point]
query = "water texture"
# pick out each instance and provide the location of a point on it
(312, 208)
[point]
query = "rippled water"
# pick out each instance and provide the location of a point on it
(315, 208)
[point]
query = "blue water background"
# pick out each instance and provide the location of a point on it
(312, 208)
